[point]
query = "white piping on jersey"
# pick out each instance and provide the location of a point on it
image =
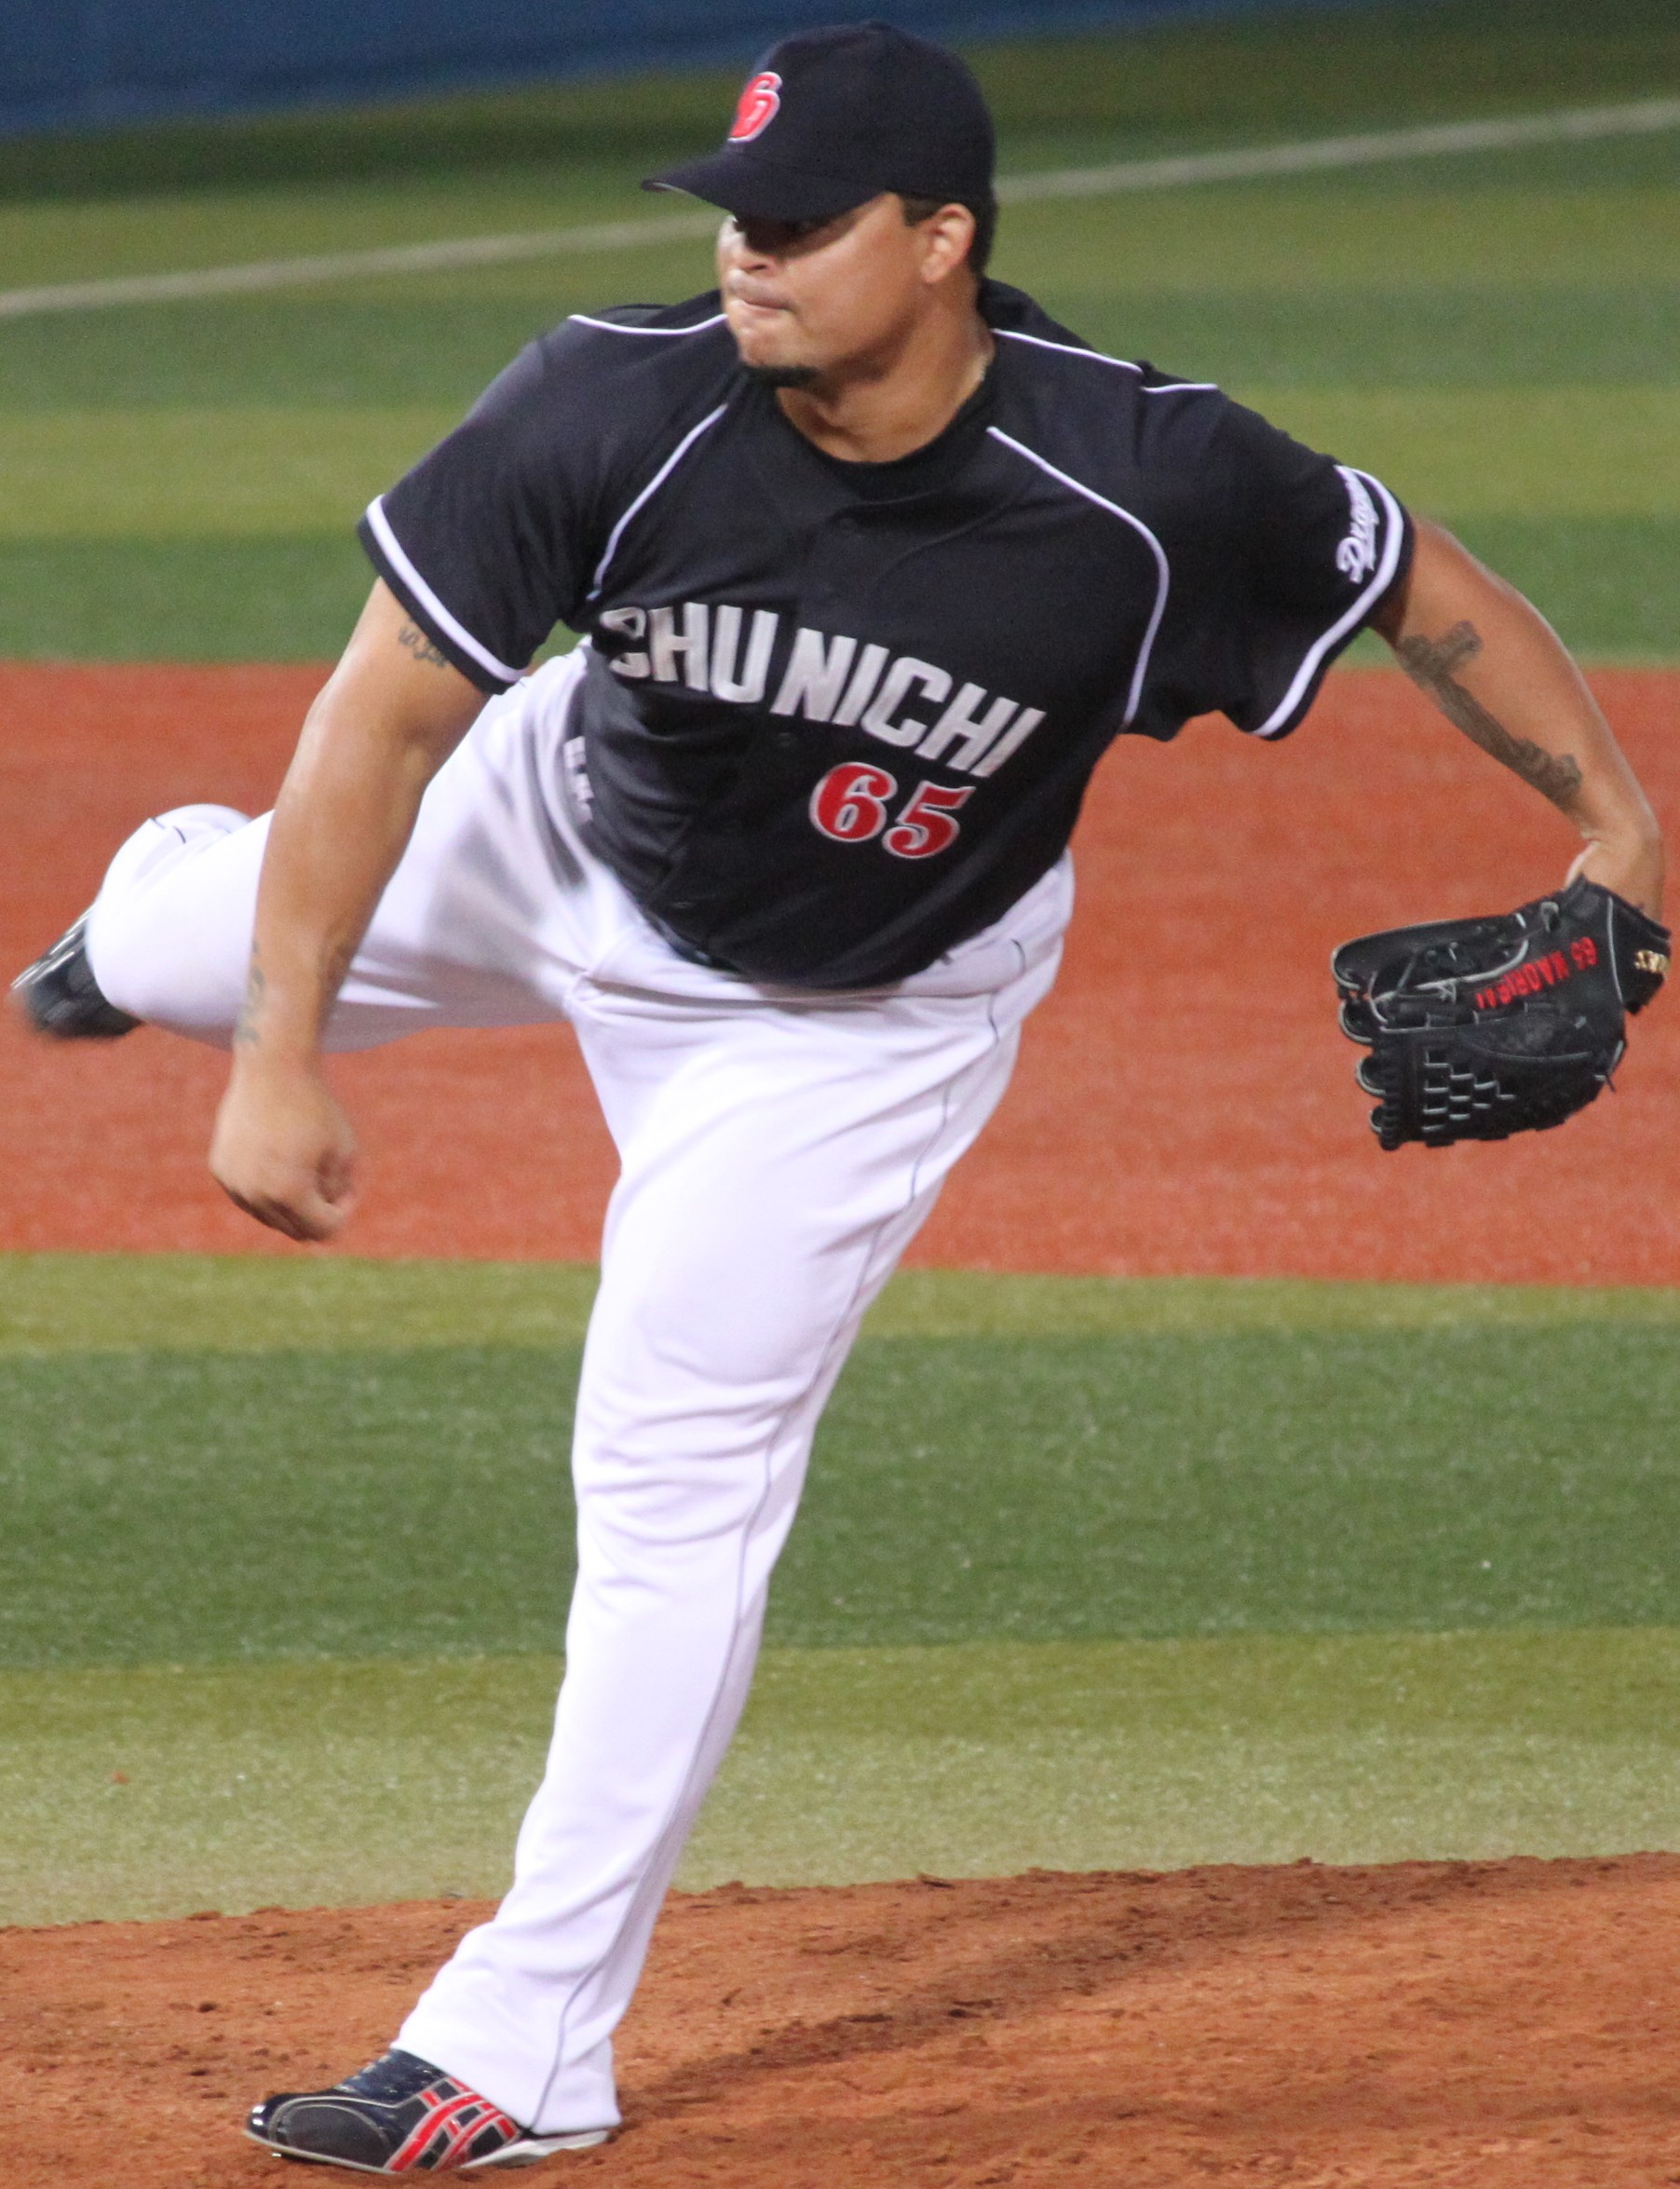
(648, 493)
(1099, 357)
(1344, 623)
(380, 525)
(1068, 349)
(1134, 696)
(615, 327)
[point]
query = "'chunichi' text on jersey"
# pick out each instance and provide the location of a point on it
(837, 717)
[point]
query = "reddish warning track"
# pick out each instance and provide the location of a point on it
(1184, 1103)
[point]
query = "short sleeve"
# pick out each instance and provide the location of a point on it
(1313, 550)
(484, 542)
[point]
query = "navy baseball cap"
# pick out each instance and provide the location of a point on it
(830, 119)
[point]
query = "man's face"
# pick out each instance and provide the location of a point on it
(808, 299)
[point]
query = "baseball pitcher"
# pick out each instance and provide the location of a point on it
(870, 561)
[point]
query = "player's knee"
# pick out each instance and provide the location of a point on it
(138, 971)
(168, 938)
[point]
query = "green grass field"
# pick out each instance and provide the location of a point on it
(1090, 1572)
(1141, 1482)
(1497, 335)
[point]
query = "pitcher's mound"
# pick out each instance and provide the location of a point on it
(1513, 2025)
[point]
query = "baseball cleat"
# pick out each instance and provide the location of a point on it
(60, 996)
(402, 2115)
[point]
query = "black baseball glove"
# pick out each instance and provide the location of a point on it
(1479, 1028)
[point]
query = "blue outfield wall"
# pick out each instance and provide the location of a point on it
(69, 64)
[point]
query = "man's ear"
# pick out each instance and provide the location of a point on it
(949, 232)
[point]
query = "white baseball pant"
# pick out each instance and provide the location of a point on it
(778, 1150)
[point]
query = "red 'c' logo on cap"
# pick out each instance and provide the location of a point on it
(759, 104)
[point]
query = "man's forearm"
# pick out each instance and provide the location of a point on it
(338, 831)
(1496, 669)
(375, 738)
(282, 1150)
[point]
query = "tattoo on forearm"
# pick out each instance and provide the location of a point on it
(247, 1028)
(1430, 662)
(246, 1033)
(415, 640)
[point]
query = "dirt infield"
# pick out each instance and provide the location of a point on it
(1183, 1103)
(1512, 2025)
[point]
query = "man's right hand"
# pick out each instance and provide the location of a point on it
(389, 717)
(283, 1149)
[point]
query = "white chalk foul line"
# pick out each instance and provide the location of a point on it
(1569, 125)
(337, 265)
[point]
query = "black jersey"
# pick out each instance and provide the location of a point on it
(837, 717)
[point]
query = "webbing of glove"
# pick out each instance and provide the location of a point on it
(1479, 1028)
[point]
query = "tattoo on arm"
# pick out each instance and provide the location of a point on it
(1430, 662)
(247, 1028)
(411, 637)
(246, 1033)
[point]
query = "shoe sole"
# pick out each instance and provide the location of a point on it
(528, 2151)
